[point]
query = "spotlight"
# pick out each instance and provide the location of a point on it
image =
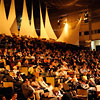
(86, 14)
(66, 27)
(86, 17)
(20, 18)
(58, 21)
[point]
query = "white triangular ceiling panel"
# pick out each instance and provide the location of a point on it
(32, 30)
(25, 26)
(43, 33)
(48, 27)
(4, 26)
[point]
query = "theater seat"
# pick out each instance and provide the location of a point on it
(8, 84)
(98, 91)
(66, 86)
(36, 74)
(50, 80)
(24, 70)
(83, 94)
(49, 98)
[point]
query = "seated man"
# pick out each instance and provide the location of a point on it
(26, 88)
(14, 96)
(37, 88)
(29, 91)
(45, 96)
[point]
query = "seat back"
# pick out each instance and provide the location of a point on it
(84, 93)
(11, 73)
(66, 86)
(36, 74)
(24, 70)
(8, 84)
(1, 76)
(50, 80)
(98, 90)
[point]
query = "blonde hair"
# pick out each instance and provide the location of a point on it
(55, 89)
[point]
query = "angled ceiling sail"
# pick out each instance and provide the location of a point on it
(70, 33)
(3, 20)
(25, 26)
(32, 30)
(12, 14)
(43, 33)
(14, 28)
(48, 27)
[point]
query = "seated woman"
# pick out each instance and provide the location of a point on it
(39, 69)
(55, 93)
(27, 90)
(84, 85)
(67, 78)
(37, 87)
(84, 77)
(35, 84)
(15, 70)
(42, 83)
(19, 77)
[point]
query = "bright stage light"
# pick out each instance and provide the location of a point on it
(66, 27)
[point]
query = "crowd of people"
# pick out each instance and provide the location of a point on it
(77, 67)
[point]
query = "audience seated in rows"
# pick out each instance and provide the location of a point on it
(77, 67)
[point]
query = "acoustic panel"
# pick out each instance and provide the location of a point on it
(70, 33)
(25, 26)
(43, 33)
(4, 25)
(48, 27)
(32, 30)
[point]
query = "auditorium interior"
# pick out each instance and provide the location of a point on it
(49, 49)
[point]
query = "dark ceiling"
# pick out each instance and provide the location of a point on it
(72, 4)
(56, 8)
(63, 7)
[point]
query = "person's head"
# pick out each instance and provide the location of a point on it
(18, 74)
(0, 57)
(55, 90)
(26, 61)
(15, 67)
(59, 85)
(34, 78)
(85, 73)
(14, 96)
(26, 81)
(46, 93)
(78, 77)
(66, 76)
(96, 66)
(7, 67)
(4, 98)
(19, 64)
(13, 58)
(90, 72)
(97, 72)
